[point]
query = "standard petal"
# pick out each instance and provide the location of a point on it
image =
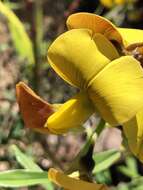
(69, 183)
(117, 90)
(78, 55)
(71, 115)
(131, 36)
(34, 110)
(95, 23)
(133, 130)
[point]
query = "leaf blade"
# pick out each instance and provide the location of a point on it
(105, 159)
(24, 160)
(29, 164)
(20, 178)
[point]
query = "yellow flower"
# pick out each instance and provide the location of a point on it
(111, 3)
(86, 58)
(89, 57)
(131, 41)
(69, 183)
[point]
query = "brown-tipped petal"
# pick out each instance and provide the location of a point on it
(34, 110)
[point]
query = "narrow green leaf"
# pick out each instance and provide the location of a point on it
(20, 38)
(104, 160)
(130, 169)
(132, 164)
(103, 177)
(29, 164)
(20, 178)
(24, 160)
(126, 171)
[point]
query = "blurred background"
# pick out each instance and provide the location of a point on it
(40, 22)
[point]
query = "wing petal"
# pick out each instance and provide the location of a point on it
(71, 115)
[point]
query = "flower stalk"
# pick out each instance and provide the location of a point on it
(37, 40)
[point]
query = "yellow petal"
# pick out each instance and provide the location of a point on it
(77, 55)
(34, 110)
(107, 3)
(95, 23)
(59, 118)
(69, 183)
(133, 130)
(131, 36)
(71, 115)
(117, 90)
(120, 2)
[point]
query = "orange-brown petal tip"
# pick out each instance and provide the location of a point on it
(34, 110)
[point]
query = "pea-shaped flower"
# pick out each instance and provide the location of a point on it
(92, 56)
(132, 45)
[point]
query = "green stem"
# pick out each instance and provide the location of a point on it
(100, 127)
(38, 39)
(97, 130)
(75, 164)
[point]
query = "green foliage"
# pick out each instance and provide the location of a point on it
(135, 184)
(130, 169)
(24, 160)
(31, 175)
(103, 177)
(20, 38)
(20, 178)
(104, 160)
